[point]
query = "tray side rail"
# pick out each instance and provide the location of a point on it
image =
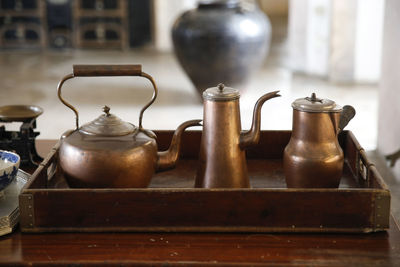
(260, 210)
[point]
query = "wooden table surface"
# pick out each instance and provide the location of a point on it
(200, 249)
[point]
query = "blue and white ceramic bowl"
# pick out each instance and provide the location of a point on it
(9, 164)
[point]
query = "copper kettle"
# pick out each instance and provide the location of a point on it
(222, 159)
(313, 158)
(108, 152)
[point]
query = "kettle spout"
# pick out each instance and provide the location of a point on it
(252, 136)
(167, 159)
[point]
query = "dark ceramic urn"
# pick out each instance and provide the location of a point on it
(221, 42)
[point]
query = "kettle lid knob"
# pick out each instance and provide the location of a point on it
(106, 109)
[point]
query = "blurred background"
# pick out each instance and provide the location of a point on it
(344, 50)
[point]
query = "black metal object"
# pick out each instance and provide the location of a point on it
(221, 41)
(22, 142)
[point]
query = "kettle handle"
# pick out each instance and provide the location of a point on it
(107, 70)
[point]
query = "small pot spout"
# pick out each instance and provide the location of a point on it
(167, 159)
(252, 136)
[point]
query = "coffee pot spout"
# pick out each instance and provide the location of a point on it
(252, 136)
(167, 159)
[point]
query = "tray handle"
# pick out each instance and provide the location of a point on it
(364, 166)
(106, 70)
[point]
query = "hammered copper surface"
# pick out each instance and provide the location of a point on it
(91, 161)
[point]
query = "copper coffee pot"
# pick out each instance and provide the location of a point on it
(109, 152)
(313, 158)
(222, 159)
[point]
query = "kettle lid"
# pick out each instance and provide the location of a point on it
(108, 125)
(221, 93)
(314, 104)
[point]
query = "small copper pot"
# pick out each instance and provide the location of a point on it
(313, 158)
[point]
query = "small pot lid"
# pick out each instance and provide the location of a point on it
(107, 125)
(314, 104)
(221, 93)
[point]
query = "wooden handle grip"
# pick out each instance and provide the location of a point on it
(106, 70)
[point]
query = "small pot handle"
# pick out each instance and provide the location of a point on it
(107, 70)
(347, 114)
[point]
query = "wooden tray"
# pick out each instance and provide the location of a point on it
(360, 204)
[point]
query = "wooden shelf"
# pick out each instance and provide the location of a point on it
(101, 17)
(38, 13)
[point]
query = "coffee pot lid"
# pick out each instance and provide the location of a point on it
(314, 104)
(108, 125)
(221, 93)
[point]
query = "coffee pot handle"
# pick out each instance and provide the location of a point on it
(107, 70)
